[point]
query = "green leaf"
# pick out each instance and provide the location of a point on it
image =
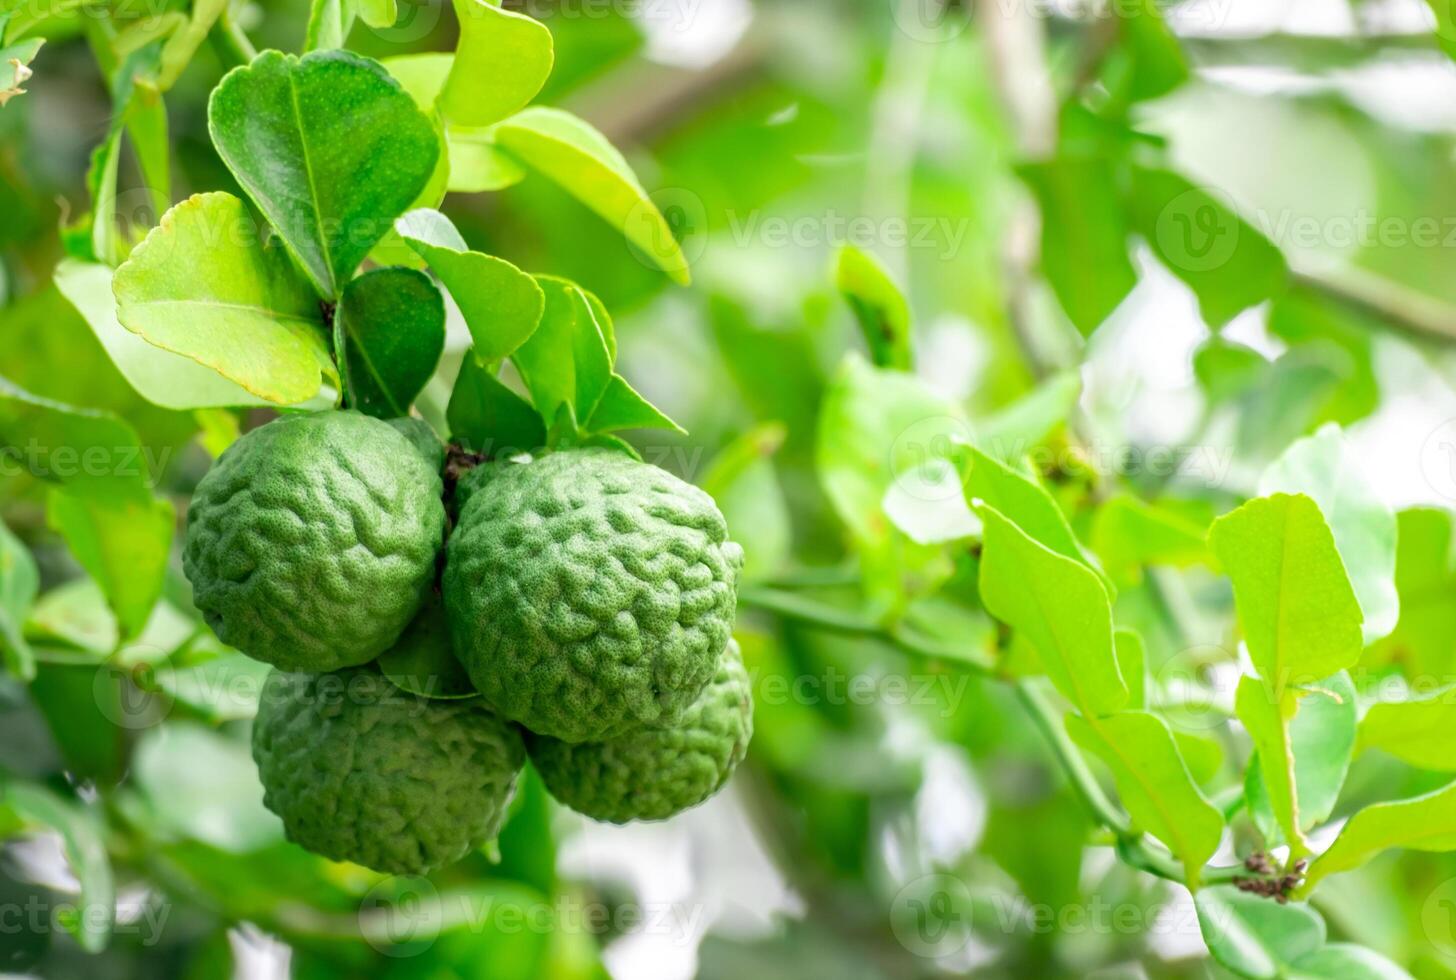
(329, 23)
(878, 305)
(122, 544)
(1154, 784)
(201, 285)
(486, 416)
(1425, 579)
(1345, 961)
(1420, 731)
(501, 304)
(576, 156)
(158, 375)
(392, 322)
(875, 424)
(89, 452)
(422, 661)
(475, 162)
(566, 361)
(1132, 664)
(1149, 63)
(1011, 432)
(1021, 499)
(1129, 533)
(1254, 936)
(86, 855)
(1299, 615)
(621, 407)
(1084, 249)
(1060, 605)
(501, 61)
(329, 147)
(1424, 823)
(1229, 264)
(1321, 739)
(19, 585)
(1305, 318)
(1364, 526)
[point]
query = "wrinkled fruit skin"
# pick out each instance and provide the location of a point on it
(663, 770)
(312, 541)
(361, 771)
(590, 594)
(423, 438)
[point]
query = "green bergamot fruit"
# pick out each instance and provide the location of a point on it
(662, 770)
(423, 438)
(312, 542)
(362, 771)
(589, 594)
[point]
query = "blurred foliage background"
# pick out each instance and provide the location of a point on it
(1024, 171)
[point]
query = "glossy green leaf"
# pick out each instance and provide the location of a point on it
(86, 856)
(201, 285)
(1298, 613)
(19, 585)
(878, 305)
(122, 544)
(1267, 716)
(1021, 499)
(1322, 741)
(329, 147)
(566, 361)
(1149, 63)
(1420, 731)
(501, 61)
(1254, 936)
(1153, 782)
(1424, 823)
(576, 156)
(621, 407)
(1060, 605)
(875, 424)
(501, 304)
(392, 324)
(1322, 467)
(158, 375)
(1132, 664)
(486, 416)
(1084, 248)
(1129, 533)
(1227, 262)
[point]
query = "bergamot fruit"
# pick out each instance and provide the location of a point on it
(662, 770)
(362, 771)
(589, 593)
(423, 438)
(313, 540)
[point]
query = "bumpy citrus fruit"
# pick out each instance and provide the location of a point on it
(589, 594)
(423, 438)
(662, 770)
(312, 542)
(362, 771)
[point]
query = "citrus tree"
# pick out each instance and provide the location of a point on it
(356, 566)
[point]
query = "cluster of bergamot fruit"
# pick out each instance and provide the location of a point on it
(588, 596)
